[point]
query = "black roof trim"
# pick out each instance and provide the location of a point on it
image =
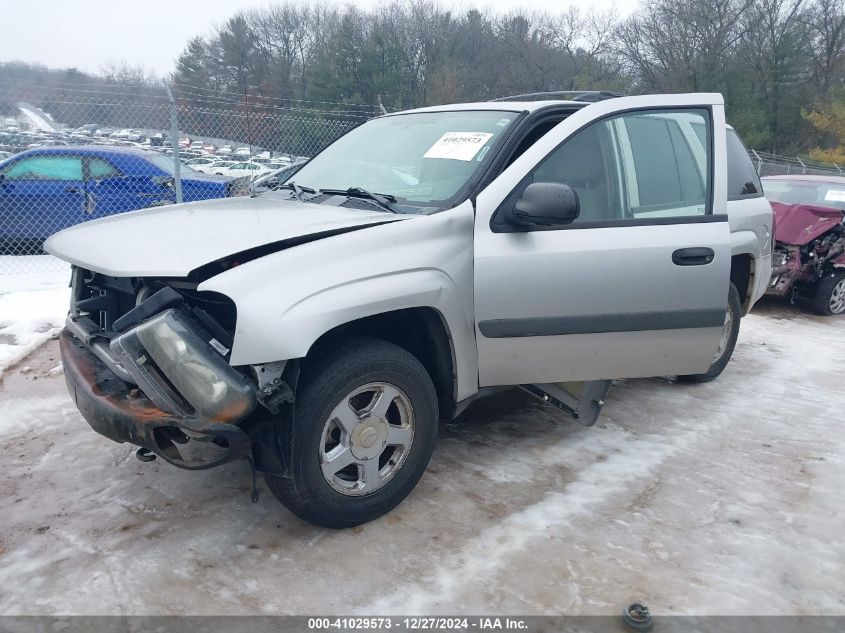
(590, 96)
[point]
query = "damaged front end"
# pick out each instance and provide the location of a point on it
(146, 363)
(810, 243)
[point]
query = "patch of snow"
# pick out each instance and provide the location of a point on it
(37, 119)
(34, 298)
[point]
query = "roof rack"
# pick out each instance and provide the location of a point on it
(589, 96)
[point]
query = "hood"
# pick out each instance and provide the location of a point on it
(800, 224)
(172, 241)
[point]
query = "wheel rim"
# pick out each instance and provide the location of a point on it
(366, 438)
(837, 297)
(725, 339)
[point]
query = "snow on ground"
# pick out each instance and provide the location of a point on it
(36, 118)
(34, 298)
(695, 499)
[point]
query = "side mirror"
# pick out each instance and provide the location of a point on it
(546, 203)
(165, 182)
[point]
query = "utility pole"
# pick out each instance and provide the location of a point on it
(174, 143)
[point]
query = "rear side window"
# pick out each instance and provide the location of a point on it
(670, 163)
(665, 167)
(99, 169)
(743, 181)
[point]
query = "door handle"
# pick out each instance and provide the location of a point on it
(695, 256)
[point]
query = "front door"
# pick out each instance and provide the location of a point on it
(637, 284)
(39, 195)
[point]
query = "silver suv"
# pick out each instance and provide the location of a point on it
(323, 329)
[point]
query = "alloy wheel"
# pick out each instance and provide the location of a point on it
(366, 438)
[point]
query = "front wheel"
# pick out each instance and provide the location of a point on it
(362, 434)
(727, 342)
(829, 296)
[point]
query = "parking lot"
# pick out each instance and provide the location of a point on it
(721, 498)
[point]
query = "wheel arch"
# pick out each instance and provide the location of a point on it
(422, 331)
(742, 276)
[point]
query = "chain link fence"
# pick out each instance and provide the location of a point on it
(76, 154)
(774, 165)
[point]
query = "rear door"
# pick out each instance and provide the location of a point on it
(637, 285)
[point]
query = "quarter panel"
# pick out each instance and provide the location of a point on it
(751, 226)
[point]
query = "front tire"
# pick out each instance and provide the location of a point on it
(727, 342)
(829, 296)
(362, 434)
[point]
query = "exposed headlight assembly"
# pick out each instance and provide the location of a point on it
(172, 360)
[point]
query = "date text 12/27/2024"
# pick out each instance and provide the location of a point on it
(417, 623)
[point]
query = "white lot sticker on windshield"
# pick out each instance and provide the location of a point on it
(835, 195)
(458, 145)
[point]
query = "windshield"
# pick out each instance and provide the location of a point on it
(423, 159)
(825, 194)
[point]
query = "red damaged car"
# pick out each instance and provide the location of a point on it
(809, 254)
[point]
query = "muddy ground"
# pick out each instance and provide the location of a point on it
(720, 498)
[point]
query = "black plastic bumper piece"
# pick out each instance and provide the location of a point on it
(120, 412)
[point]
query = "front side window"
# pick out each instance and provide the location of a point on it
(639, 165)
(423, 159)
(65, 168)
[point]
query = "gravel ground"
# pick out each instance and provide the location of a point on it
(725, 498)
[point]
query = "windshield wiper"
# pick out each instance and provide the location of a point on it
(297, 190)
(383, 200)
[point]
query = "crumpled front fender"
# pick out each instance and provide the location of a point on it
(286, 300)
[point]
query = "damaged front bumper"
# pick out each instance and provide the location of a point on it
(162, 386)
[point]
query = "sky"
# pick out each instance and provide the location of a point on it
(86, 34)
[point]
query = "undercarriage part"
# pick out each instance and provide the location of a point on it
(145, 455)
(581, 401)
(254, 495)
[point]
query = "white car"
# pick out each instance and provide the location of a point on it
(206, 165)
(220, 167)
(246, 168)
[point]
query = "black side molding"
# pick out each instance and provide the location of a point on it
(601, 323)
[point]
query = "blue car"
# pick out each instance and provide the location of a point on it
(47, 189)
